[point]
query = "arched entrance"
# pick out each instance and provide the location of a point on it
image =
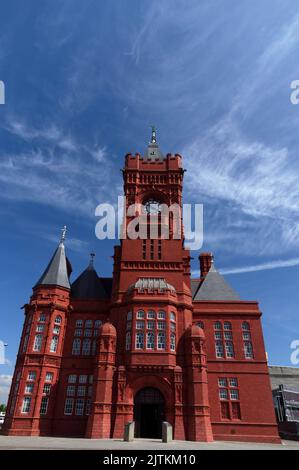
(149, 412)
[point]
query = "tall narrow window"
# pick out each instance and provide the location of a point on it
(229, 398)
(25, 343)
(172, 342)
(223, 335)
(150, 341)
(128, 341)
(139, 340)
(38, 340)
(54, 344)
(76, 347)
(247, 343)
(44, 405)
(26, 405)
(68, 406)
(79, 407)
(86, 347)
(58, 320)
(161, 341)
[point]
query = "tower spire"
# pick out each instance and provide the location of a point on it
(154, 135)
(92, 256)
(63, 234)
(153, 151)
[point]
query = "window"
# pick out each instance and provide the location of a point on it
(76, 347)
(42, 318)
(234, 394)
(150, 325)
(29, 388)
(88, 332)
(229, 398)
(40, 328)
(47, 389)
(172, 316)
(161, 325)
(245, 326)
(161, 315)
(128, 341)
(139, 340)
(172, 326)
(81, 391)
(86, 347)
(248, 350)
(219, 349)
(49, 377)
(26, 405)
(44, 405)
(129, 316)
(172, 342)
(218, 335)
(70, 391)
(97, 323)
(58, 320)
(56, 330)
(228, 335)
(72, 379)
(229, 349)
(78, 332)
(246, 336)
(151, 314)
(79, 411)
(31, 375)
(89, 391)
(227, 325)
(139, 324)
(140, 314)
(200, 324)
(25, 343)
(95, 332)
(94, 347)
(223, 394)
(88, 324)
(217, 325)
(161, 341)
(79, 323)
(38, 340)
(54, 344)
(68, 407)
(150, 341)
(83, 379)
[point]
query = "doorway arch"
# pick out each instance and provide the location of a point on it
(149, 413)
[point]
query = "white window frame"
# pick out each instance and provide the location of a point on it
(68, 406)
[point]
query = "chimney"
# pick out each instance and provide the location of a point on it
(205, 262)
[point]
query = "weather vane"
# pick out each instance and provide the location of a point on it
(63, 234)
(92, 255)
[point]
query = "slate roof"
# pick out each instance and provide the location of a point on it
(213, 287)
(90, 286)
(56, 273)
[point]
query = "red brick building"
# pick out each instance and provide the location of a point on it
(149, 344)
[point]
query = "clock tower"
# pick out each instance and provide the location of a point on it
(156, 346)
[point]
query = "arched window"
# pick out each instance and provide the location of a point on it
(128, 341)
(54, 344)
(139, 340)
(227, 325)
(247, 343)
(151, 314)
(161, 315)
(42, 318)
(217, 325)
(245, 326)
(150, 341)
(58, 320)
(140, 314)
(172, 316)
(172, 342)
(76, 347)
(97, 323)
(88, 324)
(79, 323)
(38, 340)
(86, 347)
(161, 341)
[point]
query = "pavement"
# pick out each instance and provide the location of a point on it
(64, 443)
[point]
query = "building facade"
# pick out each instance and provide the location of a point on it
(149, 344)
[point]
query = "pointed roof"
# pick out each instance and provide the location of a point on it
(153, 151)
(56, 273)
(88, 285)
(214, 287)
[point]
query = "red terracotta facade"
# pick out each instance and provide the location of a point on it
(146, 347)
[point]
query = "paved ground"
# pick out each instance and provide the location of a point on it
(59, 443)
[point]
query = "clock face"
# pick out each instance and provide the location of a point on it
(152, 206)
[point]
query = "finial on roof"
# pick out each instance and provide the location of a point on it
(63, 234)
(92, 255)
(154, 135)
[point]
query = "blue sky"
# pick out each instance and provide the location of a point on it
(84, 80)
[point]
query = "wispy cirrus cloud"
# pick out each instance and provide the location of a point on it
(275, 264)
